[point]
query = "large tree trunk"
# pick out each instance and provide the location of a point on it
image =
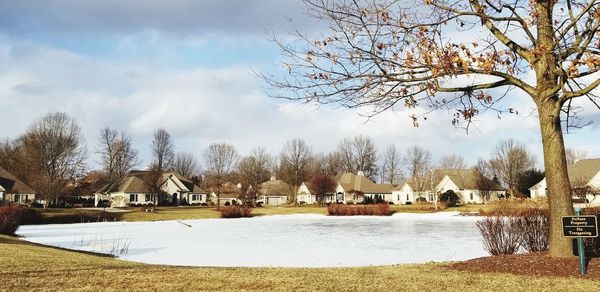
(559, 188)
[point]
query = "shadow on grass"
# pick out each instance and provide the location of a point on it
(15, 240)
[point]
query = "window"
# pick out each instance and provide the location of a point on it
(471, 197)
(133, 197)
(146, 198)
(194, 197)
(407, 197)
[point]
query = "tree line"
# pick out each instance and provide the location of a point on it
(51, 156)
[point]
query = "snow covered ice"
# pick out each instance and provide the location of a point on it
(306, 240)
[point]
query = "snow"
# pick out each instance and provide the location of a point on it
(306, 240)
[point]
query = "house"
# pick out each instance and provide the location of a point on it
(230, 194)
(136, 189)
(417, 189)
(14, 190)
(354, 188)
(466, 184)
(274, 192)
(463, 182)
(584, 172)
(306, 194)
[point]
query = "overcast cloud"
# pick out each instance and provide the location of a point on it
(187, 66)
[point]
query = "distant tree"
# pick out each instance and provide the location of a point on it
(484, 178)
(392, 160)
(117, 154)
(418, 163)
(53, 153)
(527, 179)
(509, 161)
(163, 149)
(255, 168)
(186, 164)
(221, 160)
(330, 164)
(154, 183)
(294, 163)
(573, 155)
(359, 154)
(452, 162)
(323, 185)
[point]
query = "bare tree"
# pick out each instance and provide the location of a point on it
(323, 185)
(452, 162)
(163, 149)
(221, 160)
(53, 152)
(330, 164)
(117, 155)
(294, 163)
(186, 164)
(418, 164)
(392, 160)
(574, 155)
(509, 161)
(458, 55)
(359, 154)
(253, 170)
(484, 174)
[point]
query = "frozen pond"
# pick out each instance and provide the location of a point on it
(279, 241)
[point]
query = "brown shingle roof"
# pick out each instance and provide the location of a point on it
(582, 171)
(230, 191)
(462, 178)
(140, 182)
(359, 183)
(274, 188)
(12, 184)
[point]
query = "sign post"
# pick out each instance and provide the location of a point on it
(580, 226)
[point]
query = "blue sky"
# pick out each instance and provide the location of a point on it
(187, 66)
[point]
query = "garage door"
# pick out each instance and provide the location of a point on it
(274, 201)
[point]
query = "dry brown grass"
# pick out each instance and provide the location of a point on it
(26, 266)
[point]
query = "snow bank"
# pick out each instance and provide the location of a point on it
(303, 240)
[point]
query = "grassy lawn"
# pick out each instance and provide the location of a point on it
(180, 213)
(26, 266)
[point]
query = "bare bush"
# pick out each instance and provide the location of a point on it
(501, 235)
(534, 229)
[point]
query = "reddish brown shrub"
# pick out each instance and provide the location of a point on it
(11, 217)
(501, 235)
(235, 211)
(534, 229)
(354, 210)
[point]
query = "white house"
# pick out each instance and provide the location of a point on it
(584, 172)
(354, 188)
(14, 190)
(307, 195)
(136, 189)
(274, 192)
(464, 182)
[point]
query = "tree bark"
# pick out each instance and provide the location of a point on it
(559, 187)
